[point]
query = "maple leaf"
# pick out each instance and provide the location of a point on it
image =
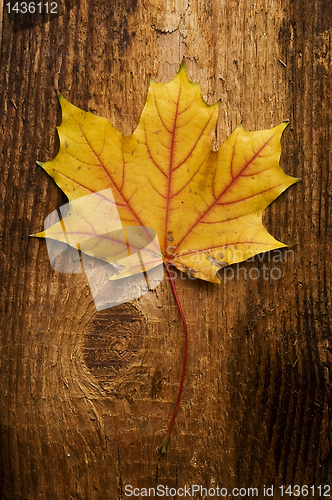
(206, 207)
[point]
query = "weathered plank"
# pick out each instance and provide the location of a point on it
(256, 407)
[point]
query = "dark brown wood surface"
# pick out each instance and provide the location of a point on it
(86, 397)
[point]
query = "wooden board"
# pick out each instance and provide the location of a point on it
(87, 396)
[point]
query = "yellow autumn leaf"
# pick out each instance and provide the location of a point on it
(206, 207)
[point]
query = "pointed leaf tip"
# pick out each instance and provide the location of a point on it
(183, 65)
(38, 235)
(62, 100)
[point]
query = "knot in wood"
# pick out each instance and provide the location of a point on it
(113, 340)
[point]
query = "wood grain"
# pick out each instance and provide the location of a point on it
(256, 407)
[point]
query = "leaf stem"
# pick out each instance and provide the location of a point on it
(165, 442)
